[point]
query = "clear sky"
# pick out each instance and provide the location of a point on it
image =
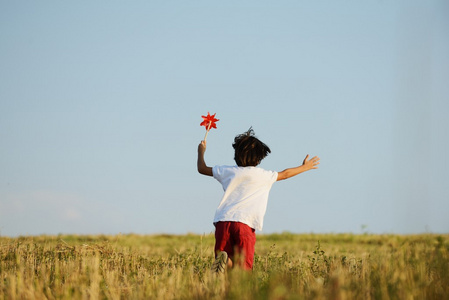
(101, 101)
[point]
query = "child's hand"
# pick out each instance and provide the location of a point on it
(312, 163)
(202, 147)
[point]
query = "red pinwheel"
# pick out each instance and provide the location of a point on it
(209, 122)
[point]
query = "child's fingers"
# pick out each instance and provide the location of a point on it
(305, 159)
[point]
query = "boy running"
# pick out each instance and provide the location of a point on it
(244, 203)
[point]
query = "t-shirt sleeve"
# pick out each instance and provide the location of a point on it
(217, 172)
(274, 176)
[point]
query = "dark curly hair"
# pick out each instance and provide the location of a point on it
(249, 150)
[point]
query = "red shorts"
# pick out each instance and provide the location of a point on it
(236, 239)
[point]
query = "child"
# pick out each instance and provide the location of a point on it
(242, 208)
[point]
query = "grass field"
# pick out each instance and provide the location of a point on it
(287, 266)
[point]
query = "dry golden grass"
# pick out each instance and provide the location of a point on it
(287, 266)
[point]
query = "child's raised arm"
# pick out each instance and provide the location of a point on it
(201, 164)
(306, 166)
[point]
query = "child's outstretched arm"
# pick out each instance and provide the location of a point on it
(306, 166)
(201, 164)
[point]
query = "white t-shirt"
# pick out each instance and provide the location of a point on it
(245, 196)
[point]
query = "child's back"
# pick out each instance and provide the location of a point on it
(245, 196)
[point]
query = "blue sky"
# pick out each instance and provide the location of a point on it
(100, 106)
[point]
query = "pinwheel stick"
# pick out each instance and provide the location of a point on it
(208, 128)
